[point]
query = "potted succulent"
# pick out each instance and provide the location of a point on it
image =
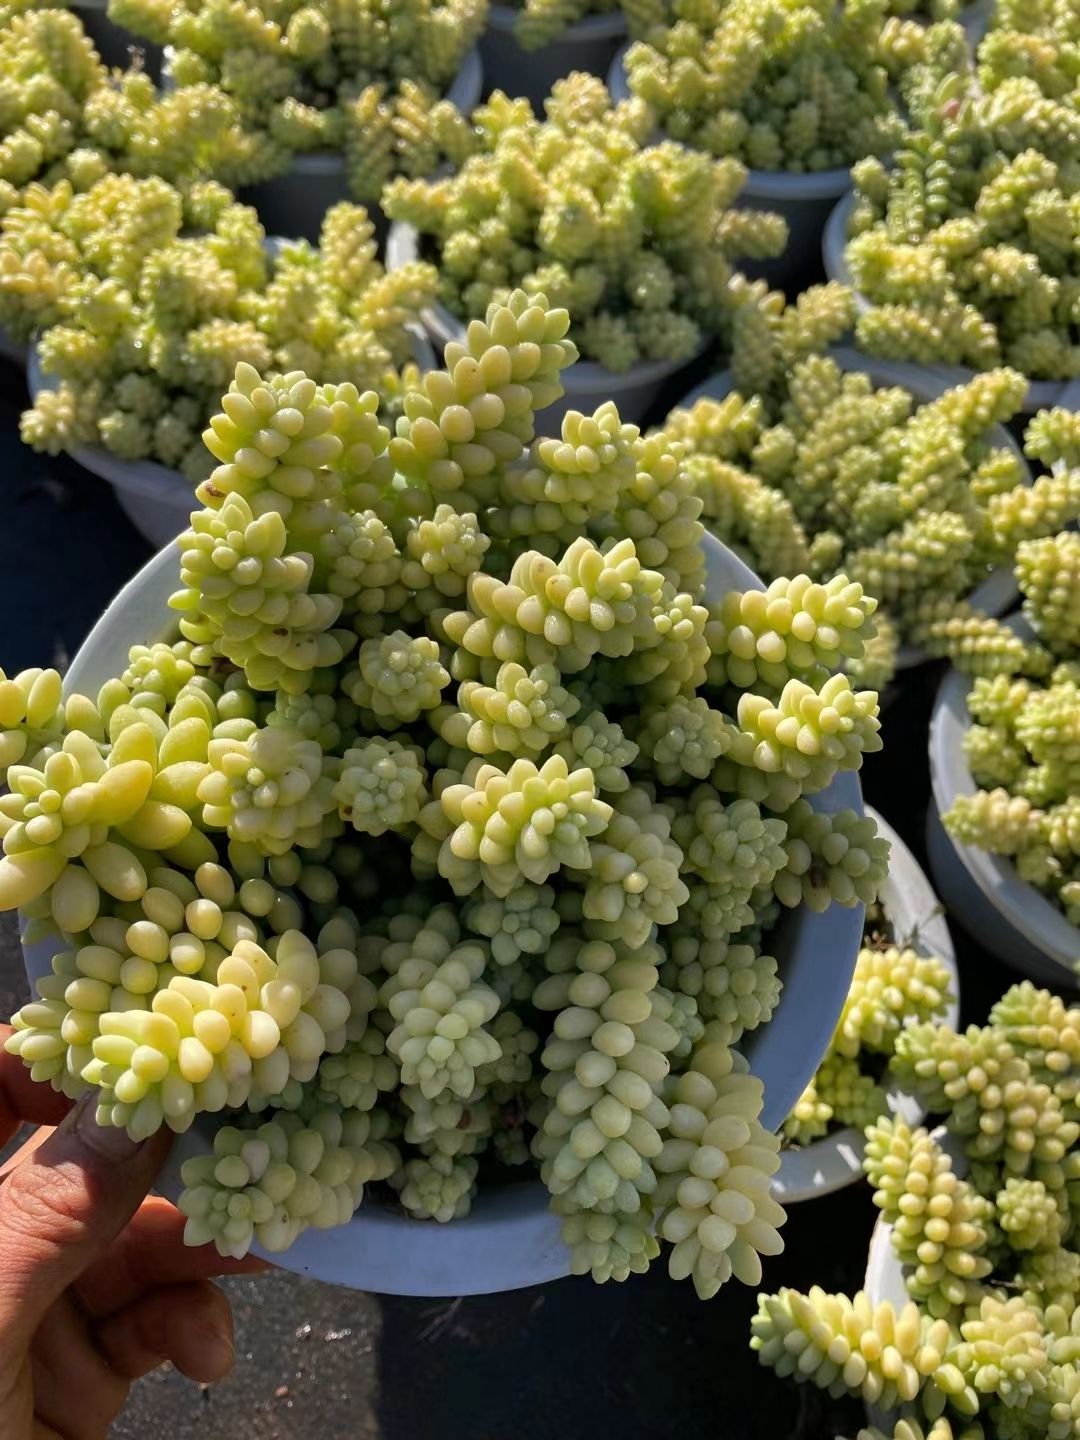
(972, 280)
(72, 118)
(526, 49)
(142, 323)
(818, 458)
(905, 974)
(637, 240)
(1002, 764)
(268, 821)
(964, 1318)
(340, 101)
(797, 94)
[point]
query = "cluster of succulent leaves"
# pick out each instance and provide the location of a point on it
(351, 76)
(1023, 746)
(452, 823)
(66, 116)
(804, 465)
(635, 239)
(896, 983)
(792, 87)
(147, 298)
(964, 249)
(983, 1221)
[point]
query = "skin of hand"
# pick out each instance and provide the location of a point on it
(96, 1285)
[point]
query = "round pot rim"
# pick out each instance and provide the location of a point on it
(1020, 904)
(759, 184)
(584, 377)
(835, 1161)
(995, 594)
(607, 26)
(1041, 394)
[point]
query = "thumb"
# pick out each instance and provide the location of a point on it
(61, 1208)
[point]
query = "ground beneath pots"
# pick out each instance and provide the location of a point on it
(570, 1359)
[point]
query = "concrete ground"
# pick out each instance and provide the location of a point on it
(570, 1359)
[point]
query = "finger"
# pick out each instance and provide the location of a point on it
(61, 1208)
(35, 1142)
(23, 1099)
(75, 1391)
(151, 1252)
(189, 1324)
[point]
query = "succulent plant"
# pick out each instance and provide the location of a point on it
(636, 239)
(201, 837)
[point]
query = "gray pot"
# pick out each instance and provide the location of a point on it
(641, 390)
(915, 914)
(588, 45)
(293, 204)
(805, 201)
(158, 501)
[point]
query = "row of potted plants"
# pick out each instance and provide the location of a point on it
(319, 637)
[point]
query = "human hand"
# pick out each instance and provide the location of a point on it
(96, 1285)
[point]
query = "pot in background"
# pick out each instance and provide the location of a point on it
(589, 44)
(115, 44)
(1041, 394)
(1013, 920)
(998, 592)
(645, 388)
(158, 501)
(293, 204)
(917, 919)
(805, 201)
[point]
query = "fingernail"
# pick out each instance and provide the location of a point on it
(219, 1352)
(110, 1142)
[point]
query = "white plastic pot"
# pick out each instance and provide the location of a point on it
(1013, 920)
(294, 203)
(510, 1239)
(112, 42)
(640, 390)
(998, 592)
(1040, 393)
(804, 200)
(158, 501)
(588, 45)
(916, 919)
